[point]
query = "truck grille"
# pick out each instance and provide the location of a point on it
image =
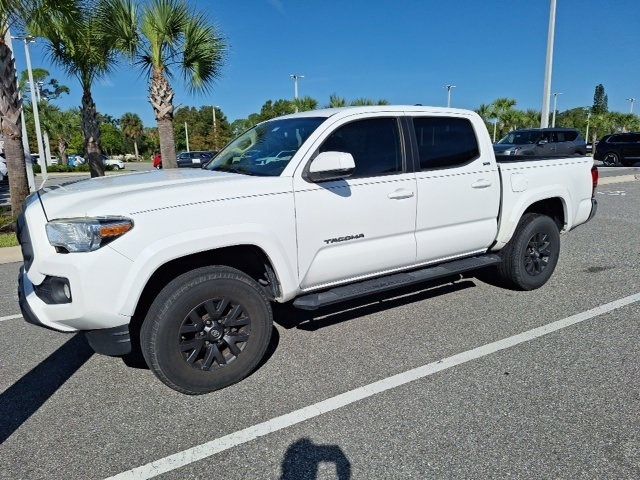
(22, 231)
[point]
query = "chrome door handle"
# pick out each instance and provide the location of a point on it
(482, 183)
(400, 194)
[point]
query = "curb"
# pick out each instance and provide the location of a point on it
(618, 179)
(10, 255)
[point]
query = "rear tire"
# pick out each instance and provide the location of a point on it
(206, 330)
(530, 257)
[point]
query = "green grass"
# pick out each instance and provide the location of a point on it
(8, 240)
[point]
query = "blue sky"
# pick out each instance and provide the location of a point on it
(403, 51)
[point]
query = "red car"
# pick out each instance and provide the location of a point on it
(157, 161)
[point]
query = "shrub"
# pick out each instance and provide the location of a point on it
(67, 168)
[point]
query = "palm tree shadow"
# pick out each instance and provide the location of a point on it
(303, 457)
(29, 393)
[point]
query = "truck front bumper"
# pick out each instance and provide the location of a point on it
(113, 341)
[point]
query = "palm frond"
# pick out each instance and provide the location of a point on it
(204, 54)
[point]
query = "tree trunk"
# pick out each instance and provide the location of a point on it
(62, 149)
(161, 98)
(91, 132)
(11, 129)
(135, 149)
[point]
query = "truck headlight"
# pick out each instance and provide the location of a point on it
(86, 234)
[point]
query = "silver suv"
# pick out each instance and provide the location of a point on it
(542, 142)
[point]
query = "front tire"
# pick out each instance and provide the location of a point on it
(530, 257)
(206, 330)
(611, 159)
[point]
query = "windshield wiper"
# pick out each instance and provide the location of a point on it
(241, 171)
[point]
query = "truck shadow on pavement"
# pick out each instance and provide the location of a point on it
(288, 316)
(303, 458)
(29, 393)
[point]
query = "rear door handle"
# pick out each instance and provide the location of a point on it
(400, 194)
(482, 183)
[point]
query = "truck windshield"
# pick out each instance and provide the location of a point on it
(521, 138)
(266, 149)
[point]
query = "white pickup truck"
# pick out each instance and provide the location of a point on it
(315, 208)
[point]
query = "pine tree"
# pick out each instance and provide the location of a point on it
(600, 100)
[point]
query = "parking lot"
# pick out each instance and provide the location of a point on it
(454, 381)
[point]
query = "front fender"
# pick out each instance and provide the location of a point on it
(163, 250)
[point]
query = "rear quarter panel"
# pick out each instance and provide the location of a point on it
(527, 182)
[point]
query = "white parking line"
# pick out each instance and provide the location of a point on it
(248, 434)
(10, 317)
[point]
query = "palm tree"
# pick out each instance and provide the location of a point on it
(173, 36)
(87, 48)
(11, 14)
(132, 129)
(362, 102)
(337, 102)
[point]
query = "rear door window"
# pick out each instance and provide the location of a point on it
(445, 142)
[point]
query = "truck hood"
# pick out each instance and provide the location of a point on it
(134, 193)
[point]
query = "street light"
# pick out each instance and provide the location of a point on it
(586, 135)
(555, 106)
(546, 96)
(295, 77)
(25, 139)
(631, 101)
(215, 140)
(449, 88)
(34, 105)
(186, 134)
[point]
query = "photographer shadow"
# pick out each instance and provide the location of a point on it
(303, 458)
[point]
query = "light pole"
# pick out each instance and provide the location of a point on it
(25, 139)
(45, 134)
(186, 134)
(295, 77)
(586, 135)
(495, 127)
(555, 107)
(449, 88)
(34, 104)
(631, 102)
(548, 69)
(215, 139)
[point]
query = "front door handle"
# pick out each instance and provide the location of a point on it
(482, 183)
(400, 194)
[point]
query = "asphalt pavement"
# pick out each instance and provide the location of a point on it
(414, 385)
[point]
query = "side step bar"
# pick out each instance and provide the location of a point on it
(314, 301)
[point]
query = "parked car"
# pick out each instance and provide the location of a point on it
(76, 160)
(194, 159)
(4, 172)
(542, 142)
(157, 161)
(372, 199)
(114, 162)
(621, 149)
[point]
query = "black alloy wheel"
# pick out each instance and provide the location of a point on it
(214, 334)
(537, 253)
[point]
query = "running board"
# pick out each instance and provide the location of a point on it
(314, 301)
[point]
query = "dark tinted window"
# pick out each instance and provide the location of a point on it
(570, 136)
(635, 137)
(624, 138)
(445, 142)
(374, 144)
